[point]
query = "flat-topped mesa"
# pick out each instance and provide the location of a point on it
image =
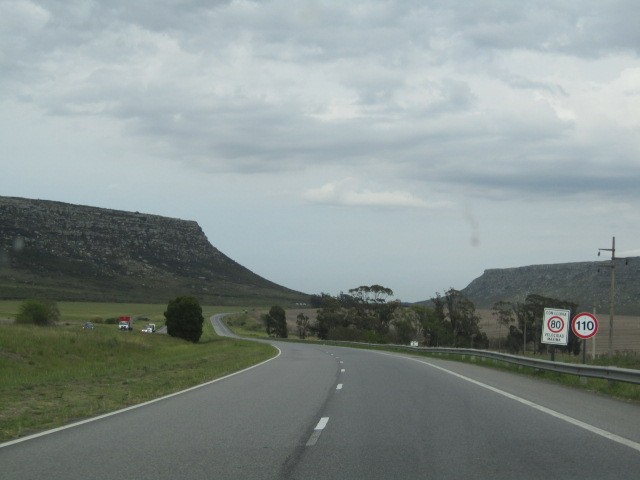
(44, 240)
(586, 283)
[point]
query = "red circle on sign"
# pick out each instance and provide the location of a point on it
(552, 321)
(584, 325)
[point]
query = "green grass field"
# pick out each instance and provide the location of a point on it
(50, 376)
(247, 324)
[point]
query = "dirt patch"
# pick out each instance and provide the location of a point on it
(12, 356)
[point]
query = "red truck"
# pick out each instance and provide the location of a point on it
(125, 323)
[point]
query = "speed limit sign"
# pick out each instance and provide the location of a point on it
(555, 326)
(584, 325)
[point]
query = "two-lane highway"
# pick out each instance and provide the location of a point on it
(397, 417)
(330, 412)
(245, 426)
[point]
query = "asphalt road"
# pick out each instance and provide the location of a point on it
(318, 412)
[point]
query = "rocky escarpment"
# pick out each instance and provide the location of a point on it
(586, 283)
(79, 252)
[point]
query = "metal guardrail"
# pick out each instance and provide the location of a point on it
(613, 374)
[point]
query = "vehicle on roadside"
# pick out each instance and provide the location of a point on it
(125, 323)
(88, 326)
(150, 328)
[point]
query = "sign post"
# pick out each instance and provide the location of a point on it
(555, 328)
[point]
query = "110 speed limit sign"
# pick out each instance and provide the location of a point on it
(584, 325)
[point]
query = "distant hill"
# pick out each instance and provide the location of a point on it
(73, 252)
(579, 282)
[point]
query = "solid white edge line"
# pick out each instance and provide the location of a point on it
(561, 416)
(133, 407)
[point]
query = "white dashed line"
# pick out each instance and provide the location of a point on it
(313, 439)
(339, 387)
(343, 370)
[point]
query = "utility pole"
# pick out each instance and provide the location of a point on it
(612, 292)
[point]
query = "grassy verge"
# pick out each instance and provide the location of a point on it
(50, 376)
(247, 324)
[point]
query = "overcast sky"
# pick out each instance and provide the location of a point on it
(328, 145)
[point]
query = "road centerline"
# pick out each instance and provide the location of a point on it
(313, 439)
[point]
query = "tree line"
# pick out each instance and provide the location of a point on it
(525, 319)
(368, 314)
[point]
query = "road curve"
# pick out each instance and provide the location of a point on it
(220, 327)
(333, 412)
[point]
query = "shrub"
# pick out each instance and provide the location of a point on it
(38, 312)
(184, 318)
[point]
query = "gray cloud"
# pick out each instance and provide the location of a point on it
(437, 91)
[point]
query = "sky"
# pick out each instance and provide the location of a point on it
(326, 145)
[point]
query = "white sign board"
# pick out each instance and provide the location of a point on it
(555, 326)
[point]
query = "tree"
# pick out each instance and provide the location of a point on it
(269, 324)
(184, 318)
(364, 314)
(38, 312)
(331, 316)
(529, 316)
(461, 313)
(503, 311)
(525, 323)
(276, 322)
(514, 339)
(536, 304)
(371, 308)
(407, 326)
(433, 325)
(303, 324)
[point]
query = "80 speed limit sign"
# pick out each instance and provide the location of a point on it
(555, 326)
(584, 325)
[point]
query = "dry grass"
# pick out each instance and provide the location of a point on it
(626, 330)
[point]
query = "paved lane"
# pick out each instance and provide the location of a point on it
(400, 418)
(220, 327)
(330, 412)
(244, 427)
